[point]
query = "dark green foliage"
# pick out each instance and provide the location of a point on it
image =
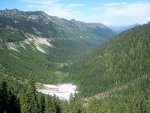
(41, 103)
(13, 104)
(4, 97)
(64, 107)
(75, 105)
(50, 105)
(134, 99)
(93, 107)
(9, 102)
(26, 100)
(30, 101)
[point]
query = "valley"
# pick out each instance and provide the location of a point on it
(54, 65)
(40, 43)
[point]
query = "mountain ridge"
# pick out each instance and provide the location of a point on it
(59, 26)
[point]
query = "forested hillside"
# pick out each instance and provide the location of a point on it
(133, 97)
(116, 89)
(125, 57)
(35, 43)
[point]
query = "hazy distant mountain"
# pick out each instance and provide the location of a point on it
(119, 29)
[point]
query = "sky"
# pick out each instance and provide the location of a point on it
(108, 12)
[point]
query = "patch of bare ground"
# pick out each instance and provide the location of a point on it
(106, 94)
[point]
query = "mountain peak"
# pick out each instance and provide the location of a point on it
(13, 11)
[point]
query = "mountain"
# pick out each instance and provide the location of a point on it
(120, 60)
(66, 35)
(35, 43)
(40, 24)
(119, 29)
(113, 78)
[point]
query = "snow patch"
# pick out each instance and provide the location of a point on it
(37, 41)
(22, 45)
(14, 56)
(40, 49)
(43, 41)
(12, 46)
(31, 39)
(62, 91)
(27, 42)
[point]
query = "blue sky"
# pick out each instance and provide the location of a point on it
(109, 12)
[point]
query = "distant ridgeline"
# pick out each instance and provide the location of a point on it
(15, 24)
(35, 43)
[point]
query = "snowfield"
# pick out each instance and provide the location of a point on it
(31, 39)
(12, 46)
(62, 91)
(37, 41)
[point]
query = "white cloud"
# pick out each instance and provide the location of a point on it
(56, 8)
(116, 13)
(131, 10)
(40, 2)
(123, 13)
(115, 4)
(73, 5)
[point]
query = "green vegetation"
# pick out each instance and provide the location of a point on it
(123, 58)
(68, 38)
(26, 62)
(114, 78)
(133, 99)
(27, 100)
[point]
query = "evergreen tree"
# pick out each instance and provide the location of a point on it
(42, 103)
(94, 107)
(8, 101)
(64, 107)
(32, 101)
(23, 102)
(75, 104)
(50, 105)
(13, 104)
(3, 97)
(29, 101)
